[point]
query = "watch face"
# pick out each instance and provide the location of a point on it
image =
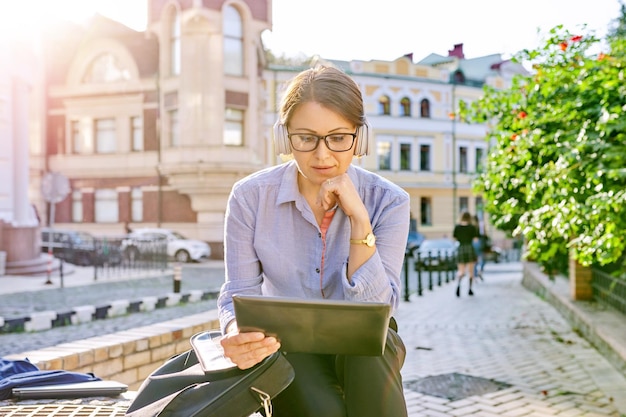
(370, 239)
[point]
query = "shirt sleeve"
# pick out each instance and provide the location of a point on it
(379, 278)
(242, 267)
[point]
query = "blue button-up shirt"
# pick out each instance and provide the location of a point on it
(273, 245)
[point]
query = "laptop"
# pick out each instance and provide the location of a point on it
(316, 326)
(72, 390)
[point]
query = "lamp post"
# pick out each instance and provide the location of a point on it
(452, 115)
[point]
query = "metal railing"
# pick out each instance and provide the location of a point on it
(432, 268)
(609, 290)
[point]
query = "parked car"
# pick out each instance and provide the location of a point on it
(178, 247)
(79, 248)
(434, 254)
(414, 241)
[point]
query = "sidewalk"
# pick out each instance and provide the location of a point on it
(503, 352)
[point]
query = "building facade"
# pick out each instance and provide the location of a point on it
(153, 128)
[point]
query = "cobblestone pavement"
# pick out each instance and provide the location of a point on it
(503, 334)
(502, 352)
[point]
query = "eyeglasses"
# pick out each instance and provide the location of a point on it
(336, 142)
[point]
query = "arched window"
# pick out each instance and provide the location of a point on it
(425, 108)
(233, 42)
(385, 105)
(458, 77)
(106, 68)
(405, 105)
(174, 42)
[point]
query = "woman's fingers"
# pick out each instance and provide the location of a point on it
(247, 349)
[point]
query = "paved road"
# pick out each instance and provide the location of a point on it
(106, 290)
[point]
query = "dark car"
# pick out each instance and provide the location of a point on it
(79, 248)
(414, 241)
(434, 254)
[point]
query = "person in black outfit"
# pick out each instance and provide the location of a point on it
(465, 232)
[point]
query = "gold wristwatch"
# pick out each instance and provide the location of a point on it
(369, 240)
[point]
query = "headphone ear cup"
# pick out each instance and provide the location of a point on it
(363, 140)
(281, 140)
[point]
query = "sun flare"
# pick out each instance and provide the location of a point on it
(24, 20)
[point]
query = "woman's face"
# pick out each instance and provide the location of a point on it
(320, 164)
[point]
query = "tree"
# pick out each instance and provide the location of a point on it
(556, 170)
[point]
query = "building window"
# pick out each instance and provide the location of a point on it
(106, 206)
(106, 68)
(426, 209)
(77, 206)
(136, 133)
(233, 127)
(463, 204)
(462, 159)
(384, 156)
(425, 157)
(136, 205)
(458, 77)
(405, 156)
(480, 159)
(480, 207)
(173, 128)
(77, 137)
(175, 43)
(385, 105)
(233, 42)
(405, 105)
(106, 141)
(425, 108)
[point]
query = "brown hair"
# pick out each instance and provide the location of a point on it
(465, 217)
(327, 86)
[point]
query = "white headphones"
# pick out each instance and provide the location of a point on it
(283, 146)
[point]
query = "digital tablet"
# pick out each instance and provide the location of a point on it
(71, 390)
(316, 326)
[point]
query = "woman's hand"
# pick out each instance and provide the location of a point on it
(247, 349)
(341, 190)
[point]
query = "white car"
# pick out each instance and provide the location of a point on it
(179, 247)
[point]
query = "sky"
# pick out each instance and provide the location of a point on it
(367, 30)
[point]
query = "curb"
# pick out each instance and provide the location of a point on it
(46, 320)
(604, 328)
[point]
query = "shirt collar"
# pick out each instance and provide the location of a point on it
(289, 183)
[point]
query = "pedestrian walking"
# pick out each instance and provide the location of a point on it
(479, 247)
(319, 227)
(465, 233)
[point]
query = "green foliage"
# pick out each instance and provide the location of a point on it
(556, 170)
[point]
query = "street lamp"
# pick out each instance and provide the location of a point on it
(452, 116)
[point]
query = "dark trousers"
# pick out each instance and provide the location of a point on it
(344, 385)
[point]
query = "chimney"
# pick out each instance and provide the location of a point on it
(457, 51)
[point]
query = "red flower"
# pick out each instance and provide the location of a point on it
(576, 38)
(522, 114)
(514, 137)
(601, 56)
(563, 46)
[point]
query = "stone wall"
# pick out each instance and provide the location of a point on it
(128, 356)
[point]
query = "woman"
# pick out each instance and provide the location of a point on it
(465, 232)
(319, 227)
(479, 247)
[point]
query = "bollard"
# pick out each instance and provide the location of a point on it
(61, 273)
(49, 271)
(177, 277)
(407, 253)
